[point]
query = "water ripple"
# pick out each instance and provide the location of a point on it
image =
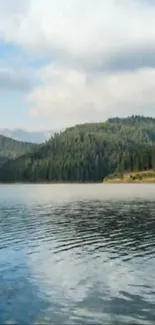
(77, 258)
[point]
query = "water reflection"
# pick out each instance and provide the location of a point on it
(21, 299)
(77, 261)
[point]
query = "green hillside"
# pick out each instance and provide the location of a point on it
(88, 152)
(11, 149)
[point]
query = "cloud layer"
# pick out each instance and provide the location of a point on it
(100, 53)
(11, 79)
(86, 31)
(70, 96)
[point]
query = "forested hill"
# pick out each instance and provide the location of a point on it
(10, 148)
(88, 152)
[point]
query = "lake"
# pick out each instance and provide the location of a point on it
(77, 254)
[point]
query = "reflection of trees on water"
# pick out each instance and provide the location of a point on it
(123, 225)
(120, 225)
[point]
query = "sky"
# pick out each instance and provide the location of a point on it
(66, 62)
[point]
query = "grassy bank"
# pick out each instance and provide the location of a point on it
(132, 177)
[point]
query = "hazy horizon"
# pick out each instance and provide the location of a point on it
(31, 130)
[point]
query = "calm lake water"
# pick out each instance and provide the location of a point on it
(77, 254)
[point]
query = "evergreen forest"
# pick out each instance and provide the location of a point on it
(85, 153)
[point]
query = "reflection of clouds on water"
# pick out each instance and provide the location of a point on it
(74, 260)
(59, 277)
(93, 286)
(75, 281)
(21, 300)
(85, 262)
(94, 292)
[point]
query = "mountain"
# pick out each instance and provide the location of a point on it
(88, 152)
(27, 136)
(11, 149)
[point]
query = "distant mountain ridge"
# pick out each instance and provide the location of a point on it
(11, 149)
(27, 136)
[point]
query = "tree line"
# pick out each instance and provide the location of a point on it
(88, 152)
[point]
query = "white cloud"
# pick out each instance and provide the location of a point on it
(80, 31)
(69, 96)
(84, 40)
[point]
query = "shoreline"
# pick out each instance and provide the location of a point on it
(129, 182)
(142, 177)
(49, 183)
(138, 177)
(109, 182)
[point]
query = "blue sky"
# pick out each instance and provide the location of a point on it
(13, 104)
(75, 61)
